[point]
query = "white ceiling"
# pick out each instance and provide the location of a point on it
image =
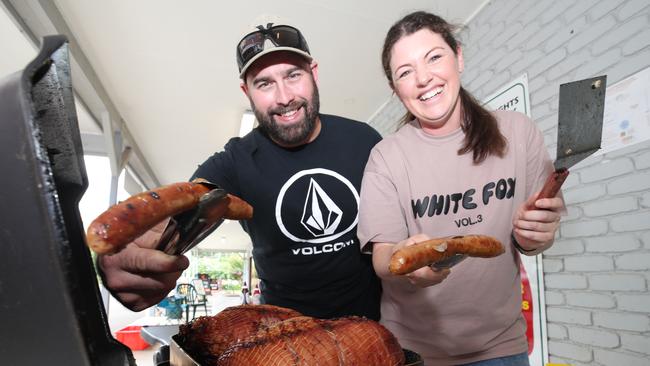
(169, 66)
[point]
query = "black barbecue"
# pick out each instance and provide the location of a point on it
(51, 311)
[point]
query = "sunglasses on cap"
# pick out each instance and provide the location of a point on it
(282, 36)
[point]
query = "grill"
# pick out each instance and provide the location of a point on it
(51, 310)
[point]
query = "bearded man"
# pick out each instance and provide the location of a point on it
(301, 171)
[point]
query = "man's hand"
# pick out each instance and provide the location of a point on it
(140, 276)
(534, 229)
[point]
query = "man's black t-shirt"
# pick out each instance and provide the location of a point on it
(303, 229)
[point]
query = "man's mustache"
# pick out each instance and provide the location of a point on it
(295, 105)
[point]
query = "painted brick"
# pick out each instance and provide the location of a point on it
(622, 321)
(573, 213)
(593, 337)
(617, 282)
(642, 161)
(603, 7)
(564, 69)
(565, 281)
(520, 66)
(557, 331)
(636, 343)
(495, 83)
(534, 12)
(606, 170)
(545, 94)
(554, 298)
(566, 33)
(645, 238)
(541, 110)
(611, 243)
(600, 65)
(591, 33)
(639, 41)
(628, 151)
(547, 61)
(583, 194)
(645, 200)
(565, 247)
(503, 66)
(579, 8)
(510, 31)
(588, 264)
(605, 357)
(631, 8)
(628, 65)
(547, 31)
(610, 207)
(495, 56)
(583, 228)
(495, 30)
(547, 123)
(634, 222)
(625, 31)
(634, 261)
(554, 12)
(524, 35)
(553, 265)
(630, 183)
(482, 79)
(639, 303)
(590, 300)
(567, 315)
(572, 181)
(572, 351)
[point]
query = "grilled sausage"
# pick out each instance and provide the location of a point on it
(425, 253)
(124, 222)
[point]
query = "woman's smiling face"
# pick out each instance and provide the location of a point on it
(426, 77)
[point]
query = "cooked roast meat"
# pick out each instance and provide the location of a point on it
(206, 337)
(350, 341)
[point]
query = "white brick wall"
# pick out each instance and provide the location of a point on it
(597, 275)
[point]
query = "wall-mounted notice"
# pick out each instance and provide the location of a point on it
(627, 112)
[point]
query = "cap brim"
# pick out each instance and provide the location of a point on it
(267, 51)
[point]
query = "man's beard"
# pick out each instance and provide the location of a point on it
(296, 133)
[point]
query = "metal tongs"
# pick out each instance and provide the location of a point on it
(187, 229)
(449, 262)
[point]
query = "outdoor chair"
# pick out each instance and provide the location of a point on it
(191, 299)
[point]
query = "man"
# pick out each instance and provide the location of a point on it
(301, 171)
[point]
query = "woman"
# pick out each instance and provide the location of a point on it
(453, 168)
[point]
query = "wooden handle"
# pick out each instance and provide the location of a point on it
(552, 185)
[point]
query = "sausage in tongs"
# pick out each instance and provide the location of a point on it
(127, 220)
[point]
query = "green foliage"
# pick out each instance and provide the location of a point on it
(225, 266)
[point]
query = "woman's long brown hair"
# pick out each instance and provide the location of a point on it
(482, 135)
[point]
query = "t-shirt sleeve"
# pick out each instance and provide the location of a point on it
(219, 169)
(381, 217)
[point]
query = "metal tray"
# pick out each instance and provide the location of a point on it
(178, 357)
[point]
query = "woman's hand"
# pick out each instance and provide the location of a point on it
(535, 223)
(422, 277)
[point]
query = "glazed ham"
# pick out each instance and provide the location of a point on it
(256, 335)
(206, 337)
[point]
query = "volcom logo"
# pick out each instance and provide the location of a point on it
(316, 206)
(321, 216)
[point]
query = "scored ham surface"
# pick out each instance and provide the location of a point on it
(266, 335)
(350, 341)
(206, 337)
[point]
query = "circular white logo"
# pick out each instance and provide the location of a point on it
(322, 218)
